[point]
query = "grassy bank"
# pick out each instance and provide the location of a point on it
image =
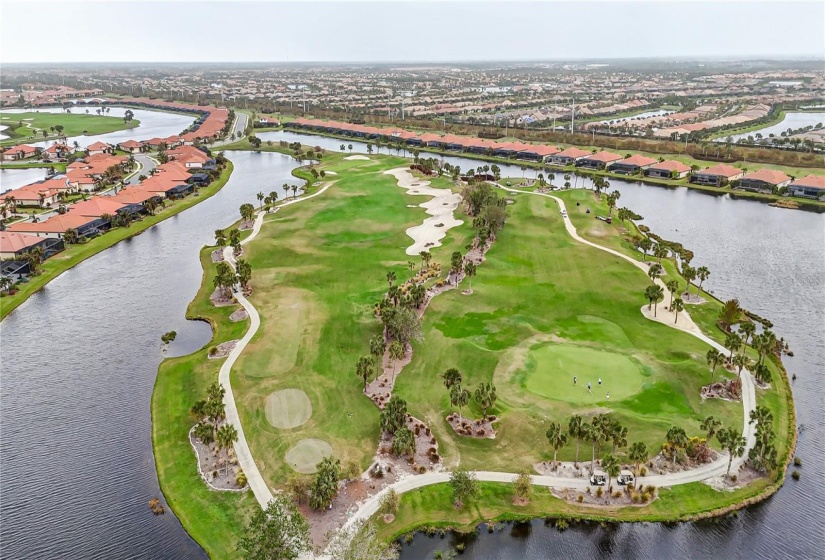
(432, 506)
(75, 254)
(214, 519)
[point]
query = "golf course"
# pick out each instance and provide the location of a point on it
(23, 125)
(553, 324)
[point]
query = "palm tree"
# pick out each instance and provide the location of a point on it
(575, 427)
(741, 361)
(612, 468)
(645, 245)
(294, 191)
(732, 442)
(676, 439)
(377, 348)
(226, 436)
(710, 425)
(654, 271)
(689, 274)
(733, 342)
(653, 293)
(391, 277)
(364, 368)
(660, 251)
(618, 436)
(261, 197)
(459, 397)
(397, 352)
(411, 266)
(673, 287)
(677, 306)
(350, 148)
(638, 454)
(557, 438)
(485, 396)
(343, 148)
(451, 377)
(286, 190)
(703, 274)
(470, 271)
(747, 329)
(714, 358)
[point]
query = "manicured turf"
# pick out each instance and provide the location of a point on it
(288, 408)
(74, 124)
(551, 367)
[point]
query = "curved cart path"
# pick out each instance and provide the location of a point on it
(256, 482)
(685, 323)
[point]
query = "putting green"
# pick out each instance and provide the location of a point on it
(288, 408)
(306, 454)
(550, 369)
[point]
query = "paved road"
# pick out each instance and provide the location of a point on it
(238, 128)
(146, 165)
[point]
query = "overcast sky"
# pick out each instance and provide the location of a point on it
(428, 31)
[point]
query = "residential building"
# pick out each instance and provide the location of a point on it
(812, 186)
(668, 169)
(632, 165)
(763, 180)
(717, 175)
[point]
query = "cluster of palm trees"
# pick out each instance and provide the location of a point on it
(485, 394)
(765, 344)
(210, 414)
(600, 430)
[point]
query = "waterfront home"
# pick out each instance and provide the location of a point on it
(165, 187)
(764, 180)
(131, 146)
(38, 195)
(269, 122)
(56, 226)
(599, 160)
(20, 152)
(198, 179)
(190, 156)
(717, 175)
(16, 270)
(55, 151)
(812, 186)
(99, 148)
(174, 170)
(632, 165)
(102, 206)
(537, 152)
(432, 140)
(668, 169)
(569, 156)
(14, 245)
(136, 195)
(155, 144)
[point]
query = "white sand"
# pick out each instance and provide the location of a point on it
(358, 157)
(331, 173)
(440, 208)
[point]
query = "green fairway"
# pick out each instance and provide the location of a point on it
(551, 367)
(23, 126)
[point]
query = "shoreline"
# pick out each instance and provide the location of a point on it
(808, 205)
(110, 238)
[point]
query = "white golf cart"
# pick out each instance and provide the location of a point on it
(625, 478)
(598, 478)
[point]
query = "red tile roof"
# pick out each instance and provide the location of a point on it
(769, 176)
(671, 165)
(11, 242)
(56, 224)
(811, 181)
(96, 206)
(640, 160)
(573, 153)
(721, 170)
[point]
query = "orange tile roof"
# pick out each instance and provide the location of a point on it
(96, 206)
(769, 176)
(671, 165)
(11, 242)
(604, 157)
(813, 181)
(722, 170)
(639, 160)
(56, 224)
(573, 153)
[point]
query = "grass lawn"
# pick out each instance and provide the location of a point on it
(179, 383)
(74, 124)
(432, 506)
(75, 254)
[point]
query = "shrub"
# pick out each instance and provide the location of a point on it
(213, 350)
(240, 479)
(389, 502)
(795, 475)
(561, 524)
(636, 497)
(645, 497)
(797, 462)
(581, 498)
(599, 492)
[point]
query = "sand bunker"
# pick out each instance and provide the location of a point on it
(358, 157)
(440, 208)
(306, 455)
(331, 173)
(288, 408)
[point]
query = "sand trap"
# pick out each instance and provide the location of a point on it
(306, 455)
(288, 408)
(358, 157)
(330, 173)
(440, 208)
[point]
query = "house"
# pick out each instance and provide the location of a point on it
(717, 175)
(57, 225)
(668, 169)
(99, 148)
(812, 186)
(55, 151)
(14, 245)
(269, 122)
(764, 180)
(537, 152)
(155, 144)
(98, 207)
(568, 156)
(135, 195)
(199, 179)
(22, 151)
(163, 186)
(131, 146)
(631, 165)
(16, 270)
(40, 195)
(599, 160)
(190, 156)
(173, 170)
